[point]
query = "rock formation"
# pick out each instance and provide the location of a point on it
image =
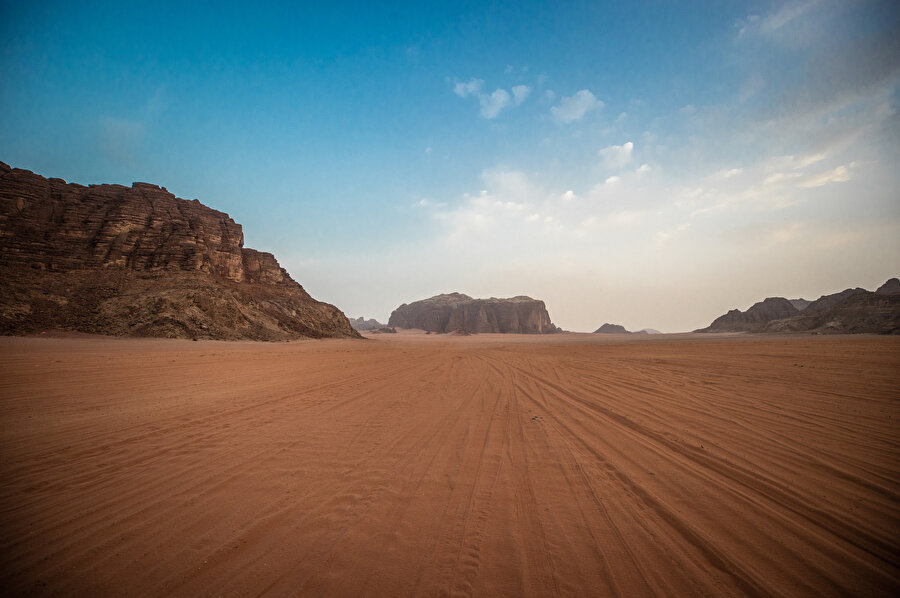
(848, 312)
(611, 329)
(772, 308)
(362, 324)
(890, 287)
(457, 312)
(110, 259)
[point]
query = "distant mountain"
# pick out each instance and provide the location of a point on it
(648, 331)
(850, 311)
(457, 312)
(361, 324)
(611, 329)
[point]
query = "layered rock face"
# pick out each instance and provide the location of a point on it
(848, 312)
(137, 260)
(458, 312)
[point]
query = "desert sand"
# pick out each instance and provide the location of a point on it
(486, 465)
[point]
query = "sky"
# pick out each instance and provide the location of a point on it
(650, 164)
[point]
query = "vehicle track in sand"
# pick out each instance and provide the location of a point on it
(490, 465)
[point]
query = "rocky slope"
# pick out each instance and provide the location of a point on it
(848, 312)
(110, 259)
(458, 312)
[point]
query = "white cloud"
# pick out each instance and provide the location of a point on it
(572, 108)
(841, 174)
(612, 180)
(728, 173)
(520, 92)
(616, 157)
(754, 24)
(643, 168)
(472, 87)
(779, 177)
(491, 105)
(494, 103)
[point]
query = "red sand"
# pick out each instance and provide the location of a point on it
(427, 465)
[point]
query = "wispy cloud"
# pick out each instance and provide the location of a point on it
(770, 23)
(572, 108)
(520, 93)
(840, 174)
(616, 157)
(492, 104)
(471, 87)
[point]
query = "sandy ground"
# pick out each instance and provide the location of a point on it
(431, 465)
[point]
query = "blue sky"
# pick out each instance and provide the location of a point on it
(651, 164)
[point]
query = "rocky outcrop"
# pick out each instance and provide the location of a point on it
(848, 312)
(611, 329)
(759, 314)
(457, 312)
(361, 324)
(890, 287)
(137, 260)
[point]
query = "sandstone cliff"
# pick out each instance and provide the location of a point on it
(110, 259)
(455, 311)
(848, 312)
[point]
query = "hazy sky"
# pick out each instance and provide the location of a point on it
(651, 164)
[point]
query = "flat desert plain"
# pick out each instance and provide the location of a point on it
(490, 465)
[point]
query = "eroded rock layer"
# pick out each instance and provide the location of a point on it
(457, 312)
(110, 259)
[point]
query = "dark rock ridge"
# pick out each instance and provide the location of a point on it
(362, 324)
(611, 329)
(110, 259)
(772, 308)
(890, 287)
(457, 312)
(850, 311)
